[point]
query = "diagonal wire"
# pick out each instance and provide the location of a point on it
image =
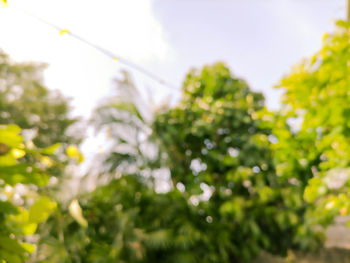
(102, 50)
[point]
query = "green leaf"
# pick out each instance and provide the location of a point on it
(11, 245)
(9, 135)
(8, 208)
(41, 210)
(11, 257)
(29, 229)
(315, 189)
(22, 173)
(30, 248)
(51, 149)
(7, 160)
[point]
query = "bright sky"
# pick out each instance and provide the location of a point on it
(259, 39)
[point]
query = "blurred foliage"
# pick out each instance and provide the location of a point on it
(127, 222)
(216, 178)
(21, 207)
(324, 255)
(316, 104)
(225, 202)
(125, 118)
(44, 115)
(26, 102)
(219, 138)
(45, 120)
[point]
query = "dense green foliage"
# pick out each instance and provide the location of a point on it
(219, 137)
(129, 222)
(20, 210)
(317, 98)
(225, 203)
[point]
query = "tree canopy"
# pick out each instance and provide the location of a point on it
(226, 201)
(316, 100)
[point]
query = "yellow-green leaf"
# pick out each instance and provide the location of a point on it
(51, 149)
(28, 247)
(77, 213)
(41, 210)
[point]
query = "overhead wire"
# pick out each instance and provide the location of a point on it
(106, 52)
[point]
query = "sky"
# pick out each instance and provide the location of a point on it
(260, 40)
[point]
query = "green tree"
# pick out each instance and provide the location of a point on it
(220, 138)
(316, 103)
(125, 117)
(227, 201)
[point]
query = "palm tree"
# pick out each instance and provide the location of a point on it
(125, 120)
